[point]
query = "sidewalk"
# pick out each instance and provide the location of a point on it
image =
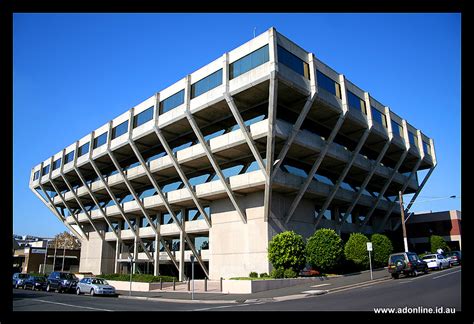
(318, 286)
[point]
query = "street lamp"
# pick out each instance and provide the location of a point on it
(45, 255)
(402, 214)
(130, 259)
(192, 274)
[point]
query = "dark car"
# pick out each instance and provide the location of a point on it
(61, 281)
(406, 263)
(18, 279)
(35, 283)
(454, 257)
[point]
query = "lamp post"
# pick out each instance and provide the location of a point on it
(45, 255)
(130, 259)
(192, 274)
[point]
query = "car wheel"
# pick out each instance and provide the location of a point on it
(16, 285)
(48, 288)
(92, 292)
(395, 275)
(78, 291)
(415, 273)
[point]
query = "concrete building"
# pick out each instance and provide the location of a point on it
(447, 224)
(265, 138)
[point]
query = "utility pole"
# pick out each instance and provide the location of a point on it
(402, 213)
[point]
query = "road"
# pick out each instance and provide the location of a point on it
(438, 288)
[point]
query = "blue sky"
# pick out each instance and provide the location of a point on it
(74, 72)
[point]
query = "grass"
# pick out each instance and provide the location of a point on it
(136, 277)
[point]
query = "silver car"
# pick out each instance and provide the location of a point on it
(94, 286)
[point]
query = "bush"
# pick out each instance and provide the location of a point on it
(382, 248)
(438, 242)
(136, 277)
(324, 249)
(277, 273)
(355, 250)
(253, 275)
(290, 273)
(264, 275)
(287, 250)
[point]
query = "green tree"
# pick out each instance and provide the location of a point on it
(437, 242)
(324, 249)
(382, 248)
(286, 250)
(355, 250)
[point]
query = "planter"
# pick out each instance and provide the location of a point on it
(136, 286)
(253, 286)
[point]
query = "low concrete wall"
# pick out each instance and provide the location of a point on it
(253, 286)
(136, 286)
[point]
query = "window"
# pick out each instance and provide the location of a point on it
(143, 117)
(397, 129)
(120, 129)
(36, 175)
(83, 149)
(248, 62)
(412, 139)
(378, 117)
(69, 157)
(328, 84)
(206, 84)
(356, 102)
(293, 62)
(426, 148)
(100, 140)
(45, 170)
(56, 164)
(172, 102)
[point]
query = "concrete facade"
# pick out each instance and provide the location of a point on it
(280, 142)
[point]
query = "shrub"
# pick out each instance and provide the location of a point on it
(438, 242)
(136, 277)
(382, 248)
(324, 249)
(290, 273)
(277, 273)
(355, 250)
(264, 275)
(253, 275)
(287, 250)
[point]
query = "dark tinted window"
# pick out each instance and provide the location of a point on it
(120, 129)
(356, 102)
(397, 257)
(397, 129)
(45, 170)
(100, 140)
(412, 139)
(206, 84)
(378, 117)
(56, 164)
(426, 148)
(172, 102)
(36, 175)
(328, 84)
(143, 117)
(83, 149)
(248, 62)
(69, 157)
(293, 62)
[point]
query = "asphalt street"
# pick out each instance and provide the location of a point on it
(433, 290)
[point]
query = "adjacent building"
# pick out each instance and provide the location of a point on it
(263, 139)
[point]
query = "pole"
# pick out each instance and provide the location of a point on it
(45, 255)
(370, 265)
(55, 247)
(192, 275)
(64, 255)
(131, 272)
(402, 214)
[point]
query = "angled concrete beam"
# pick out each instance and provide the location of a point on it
(384, 188)
(272, 112)
(315, 167)
(343, 174)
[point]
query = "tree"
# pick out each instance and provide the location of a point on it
(438, 242)
(355, 250)
(287, 250)
(324, 249)
(66, 240)
(382, 248)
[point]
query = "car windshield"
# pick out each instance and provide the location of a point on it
(99, 281)
(23, 275)
(429, 256)
(39, 279)
(67, 276)
(397, 257)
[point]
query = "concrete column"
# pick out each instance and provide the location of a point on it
(117, 255)
(157, 255)
(135, 254)
(181, 256)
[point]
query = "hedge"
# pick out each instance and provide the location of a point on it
(355, 250)
(324, 250)
(382, 248)
(287, 250)
(136, 277)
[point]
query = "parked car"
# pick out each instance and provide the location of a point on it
(308, 271)
(454, 257)
(61, 281)
(436, 261)
(406, 263)
(94, 286)
(35, 283)
(19, 279)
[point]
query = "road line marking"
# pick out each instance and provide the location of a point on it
(63, 304)
(447, 274)
(325, 284)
